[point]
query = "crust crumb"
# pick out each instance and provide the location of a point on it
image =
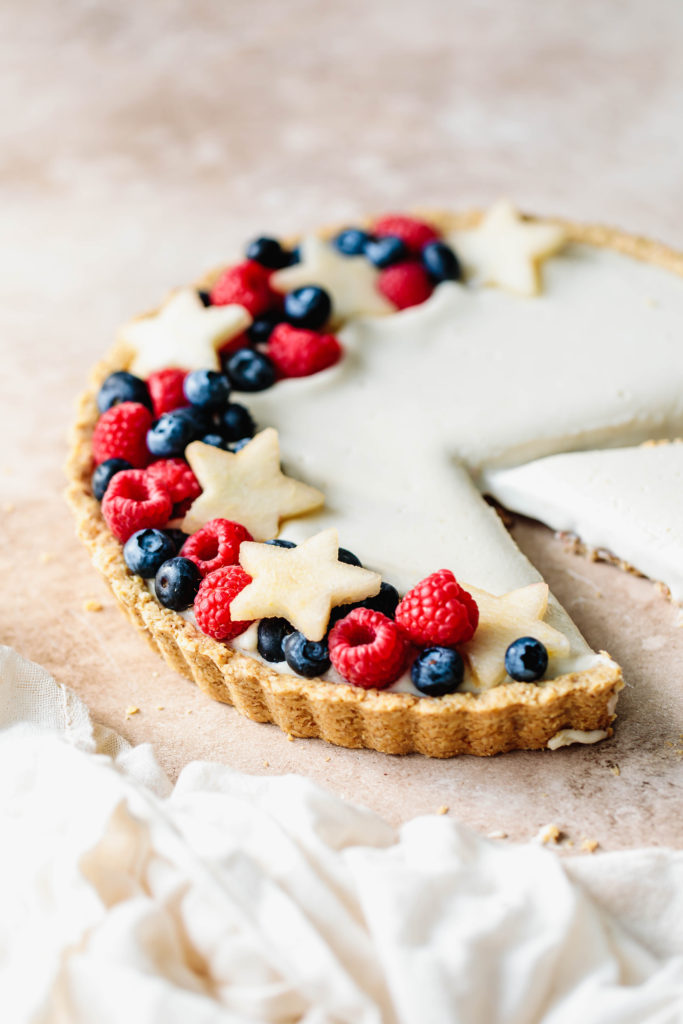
(615, 769)
(328, 758)
(444, 809)
(589, 845)
(161, 707)
(91, 604)
(290, 738)
(266, 764)
(132, 710)
(549, 834)
(497, 834)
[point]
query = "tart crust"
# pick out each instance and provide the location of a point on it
(508, 717)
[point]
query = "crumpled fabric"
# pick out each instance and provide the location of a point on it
(232, 899)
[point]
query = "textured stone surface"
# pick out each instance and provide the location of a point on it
(143, 144)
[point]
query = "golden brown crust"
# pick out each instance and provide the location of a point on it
(511, 716)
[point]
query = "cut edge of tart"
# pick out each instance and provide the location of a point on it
(574, 707)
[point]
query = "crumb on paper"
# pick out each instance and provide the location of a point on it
(266, 764)
(132, 710)
(589, 845)
(46, 556)
(549, 834)
(290, 738)
(497, 834)
(444, 809)
(615, 769)
(328, 758)
(161, 707)
(189, 711)
(155, 674)
(91, 604)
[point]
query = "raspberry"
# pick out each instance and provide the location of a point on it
(179, 480)
(405, 284)
(212, 603)
(367, 649)
(438, 612)
(216, 545)
(413, 233)
(166, 390)
(298, 353)
(247, 285)
(135, 501)
(121, 433)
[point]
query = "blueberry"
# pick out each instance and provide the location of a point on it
(440, 262)
(250, 371)
(170, 435)
(200, 420)
(385, 251)
(237, 446)
(344, 555)
(122, 387)
(437, 670)
(204, 297)
(146, 551)
(207, 389)
(271, 633)
(386, 602)
(103, 474)
(308, 307)
(305, 657)
(216, 441)
(176, 583)
(294, 257)
(281, 543)
(526, 660)
(261, 327)
(351, 242)
(268, 252)
(235, 422)
(178, 537)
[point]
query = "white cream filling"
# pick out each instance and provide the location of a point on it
(565, 737)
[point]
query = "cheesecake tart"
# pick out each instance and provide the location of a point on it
(400, 370)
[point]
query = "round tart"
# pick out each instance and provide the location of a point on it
(401, 369)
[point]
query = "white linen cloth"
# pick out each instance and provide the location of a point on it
(228, 899)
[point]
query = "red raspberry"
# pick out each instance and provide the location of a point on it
(367, 649)
(298, 353)
(438, 612)
(180, 482)
(413, 233)
(166, 390)
(121, 433)
(405, 284)
(135, 501)
(217, 544)
(212, 603)
(247, 285)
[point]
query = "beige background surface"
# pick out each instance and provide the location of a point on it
(142, 143)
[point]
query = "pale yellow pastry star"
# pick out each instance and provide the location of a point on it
(247, 486)
(184, 333)
(504, 619)
(350, 281)
(506, 250)
(301, 584)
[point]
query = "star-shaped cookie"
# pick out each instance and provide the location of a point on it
(350, 281)
(301, 584)
(506, 250)
(247, 486)
(184, 333)
(504, 619)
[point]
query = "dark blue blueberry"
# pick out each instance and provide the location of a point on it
(306, 657)
(122, 387)
(176, 583)
(294, 257)
(344, 555)
(440, 262)
(237, 446)
(278, 543)
(351, 242)
(261, 327)
(200, 420)
(268, 252)
(526, 660)
(385, 251)
(271, 633)
(235, 422)
(216, 441)
(386, 602)
(178, 537)
(204, 297)
(437, 670)
(103, 474)
(207, 389)
(249, 370)
(170, 435)
(308, 307)
(146, 551)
